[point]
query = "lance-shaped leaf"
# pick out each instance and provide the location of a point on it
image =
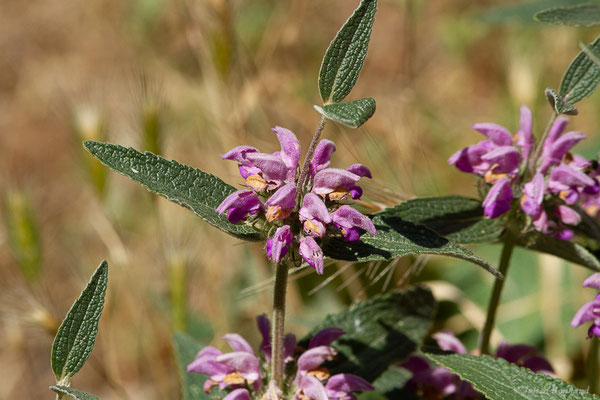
(72, 393)
(189, 187)
(346, 53)
(351, 114)
(397, 237)
(459, 219)
(380, 332)
(581, 78)
(561, 248)
(76, 335)
(192, 384)
(499, 380)
(577, 15)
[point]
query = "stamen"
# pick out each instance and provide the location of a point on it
(311, 227)
(234, 378)
(256, 182)
(339, 193)
(275, 213)
(320, 373)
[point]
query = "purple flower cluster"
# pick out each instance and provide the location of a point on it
(242, 372)
(439, 382)
(590, 311)
(292, 219)
(548, 180)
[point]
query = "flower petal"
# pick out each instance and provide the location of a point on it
(330, 178)
(238, 343)
(341, 385)
(245, 364)
(290, 150)
(564, 177)
(313, 358)
(567, 215)
(239, 154)
(311, 389)
(264, 326)
(239, 204)
(311, 253)
(322, 155)
(360, 170)
(498, 199)
(585, 313)
(325, 336)
(553, 154)
(498, 135)
(272, 167)
(525, 135)
(282, 238)
(592, 281)
(347, 217)
(313, 208)
(533, 195)
(470, 160)
(447, 341)
(507, 158)
(238, 394)
(284, 197)
(289, 347)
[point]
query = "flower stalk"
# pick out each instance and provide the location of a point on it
(309, 154)
(509, 244)
(278, 332)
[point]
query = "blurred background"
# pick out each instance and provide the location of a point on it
(190, 79)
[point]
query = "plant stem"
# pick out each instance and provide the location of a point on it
(308, 157)
(278, 322)
(507, 249)
(592, 365)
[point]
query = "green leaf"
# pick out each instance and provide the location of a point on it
(351, 114)
(346, 53)
(590, 53)
(564, 249)
(581, 78)
(397, 237)
(459, 219)
(578, 15)
(380, 331)
(189, 187)
(558, 104)
(185, 349)
(499, 380)
(524, 11)
(76, 335)
(72, 393)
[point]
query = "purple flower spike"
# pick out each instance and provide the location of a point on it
(290, 151)
(325, 337)
(278, 245)
(525, 138)
(592, 281)
(533, 195)
(498, 199)
(314, 214)
(348, 220)
(334, 181)
(341, 386)
(281, 203)
(498, 135)
(322, 155)
(309, 387)
(311, 253)
(447, 341)
(239, 204)
(238, 394)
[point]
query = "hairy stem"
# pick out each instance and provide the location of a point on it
(592, 365)
(277, 333)
(507, 249)
(308, 157)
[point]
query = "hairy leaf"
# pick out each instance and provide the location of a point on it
(380, 331)
(523, 11)
(558, 104)
(459, 219)
(398, 237)
(578, 15)
(499, 380)
(73, 393)
(561, 248)
(581, 78)
(192, 384)
(351, 114)
(76, 335)
(346, 53)
(189, 187)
